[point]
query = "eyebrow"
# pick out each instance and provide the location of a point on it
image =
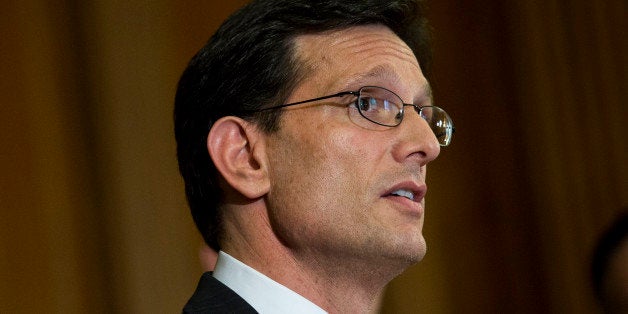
(384, 73)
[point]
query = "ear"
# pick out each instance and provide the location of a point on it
(237, 149)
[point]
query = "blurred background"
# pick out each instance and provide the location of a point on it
(93, 213)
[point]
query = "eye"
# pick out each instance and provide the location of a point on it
(371, 104)
(367, 103)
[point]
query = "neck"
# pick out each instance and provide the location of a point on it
(333, 288)
(338, 284)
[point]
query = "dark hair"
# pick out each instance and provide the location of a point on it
(605, 250)
(250, 63)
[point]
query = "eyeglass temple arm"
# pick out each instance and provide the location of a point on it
(312, 100)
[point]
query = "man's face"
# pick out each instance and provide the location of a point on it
(335, 180)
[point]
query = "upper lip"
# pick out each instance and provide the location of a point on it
(418, 190)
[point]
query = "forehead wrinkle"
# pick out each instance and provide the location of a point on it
(379, 72)
(316, 54)
(377, 46)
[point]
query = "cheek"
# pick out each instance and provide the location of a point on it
(322, 158)
(316, 176)
(318, 164)
(323, 148)
(338, 161)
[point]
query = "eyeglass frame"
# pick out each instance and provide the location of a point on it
(357, 93)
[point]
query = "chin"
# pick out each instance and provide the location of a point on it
(418, 254)
(410, 252)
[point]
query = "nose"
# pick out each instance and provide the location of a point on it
(417, 142)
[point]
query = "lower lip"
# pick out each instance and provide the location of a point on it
(407, 206)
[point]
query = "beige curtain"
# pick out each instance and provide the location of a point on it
(93, 213)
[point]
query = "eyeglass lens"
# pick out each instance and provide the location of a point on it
(382, 106)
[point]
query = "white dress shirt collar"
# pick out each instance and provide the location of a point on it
(262, 293)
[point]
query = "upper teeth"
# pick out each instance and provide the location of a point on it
(404, 193)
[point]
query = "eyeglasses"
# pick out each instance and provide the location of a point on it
(383, 107)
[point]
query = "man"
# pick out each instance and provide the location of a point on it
(303, 133)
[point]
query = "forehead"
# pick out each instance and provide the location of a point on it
(370, 54)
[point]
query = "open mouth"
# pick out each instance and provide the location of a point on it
(403, 193)
(407, 200)
(409, 190)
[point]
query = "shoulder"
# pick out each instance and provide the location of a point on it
(211, 296)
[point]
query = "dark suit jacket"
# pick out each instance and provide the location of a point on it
(212, 296)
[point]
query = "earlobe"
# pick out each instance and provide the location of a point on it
(237, 149)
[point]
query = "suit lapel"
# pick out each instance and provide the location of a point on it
(212, 296)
